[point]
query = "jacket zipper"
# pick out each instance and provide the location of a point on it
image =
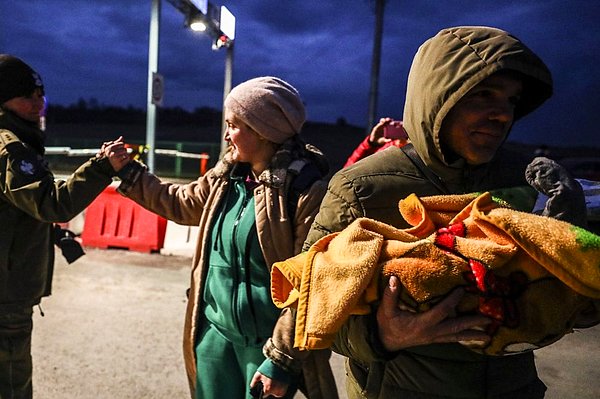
(247, 268)
(236, 280)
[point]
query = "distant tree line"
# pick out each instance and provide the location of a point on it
(88, 119)
(91, 120)
(91, 112)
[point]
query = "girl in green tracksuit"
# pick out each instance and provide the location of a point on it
(253, 208)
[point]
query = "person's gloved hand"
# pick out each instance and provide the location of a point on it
(65, 240)
(566, 200)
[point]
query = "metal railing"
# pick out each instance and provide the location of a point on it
(180, 168)
(71, 152)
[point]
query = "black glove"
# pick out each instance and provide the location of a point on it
(65, 240)
(566, 200)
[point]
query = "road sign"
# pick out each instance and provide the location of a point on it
(157, 89)
(227, 23)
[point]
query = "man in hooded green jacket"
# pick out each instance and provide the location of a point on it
(466, 88)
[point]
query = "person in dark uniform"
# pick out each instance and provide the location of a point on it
(31, 201)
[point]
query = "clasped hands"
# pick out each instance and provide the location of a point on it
(116, 152)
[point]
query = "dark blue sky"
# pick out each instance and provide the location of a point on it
(99, 49)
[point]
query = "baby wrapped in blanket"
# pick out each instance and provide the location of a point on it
(536, 276)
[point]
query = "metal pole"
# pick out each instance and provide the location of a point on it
(376, 61)
(226, 90)
(152, 68)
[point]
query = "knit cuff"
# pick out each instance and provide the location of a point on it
(274, 372)
(129, 175)
(104, 166)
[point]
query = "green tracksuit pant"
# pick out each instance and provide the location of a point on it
(225, 369)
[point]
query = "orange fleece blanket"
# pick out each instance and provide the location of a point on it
(532, 275)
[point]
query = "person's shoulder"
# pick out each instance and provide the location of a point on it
(7, 138)
(386, 173)
(211, 180)
(390, 161)
(26, 164)
(13, 147)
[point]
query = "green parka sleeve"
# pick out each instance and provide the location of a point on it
(339, 208)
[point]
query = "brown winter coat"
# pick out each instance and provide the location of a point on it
(196, 204)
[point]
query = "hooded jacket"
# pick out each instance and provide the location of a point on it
(198, 203)
(444, 69)
(30, 202)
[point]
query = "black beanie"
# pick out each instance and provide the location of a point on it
(17, 79)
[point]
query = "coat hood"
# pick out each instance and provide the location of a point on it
(450, 64)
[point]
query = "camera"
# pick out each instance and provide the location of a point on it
(394, 131)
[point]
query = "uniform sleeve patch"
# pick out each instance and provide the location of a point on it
(26, 167)
(25, 162)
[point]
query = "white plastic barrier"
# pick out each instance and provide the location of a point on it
(180, 240)
(75, 224)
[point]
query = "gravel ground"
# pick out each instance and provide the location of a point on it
(112, 329)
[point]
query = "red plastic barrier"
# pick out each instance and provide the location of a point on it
(113, 221)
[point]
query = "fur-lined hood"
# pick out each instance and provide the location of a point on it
(293, 149)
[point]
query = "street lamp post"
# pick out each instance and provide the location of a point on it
(152, 71)
(375, 63)
(219, 23)
(226, 90)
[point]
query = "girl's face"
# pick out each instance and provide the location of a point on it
(248, 146)
(29, 107)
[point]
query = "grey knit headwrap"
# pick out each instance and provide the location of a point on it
(270, 106)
